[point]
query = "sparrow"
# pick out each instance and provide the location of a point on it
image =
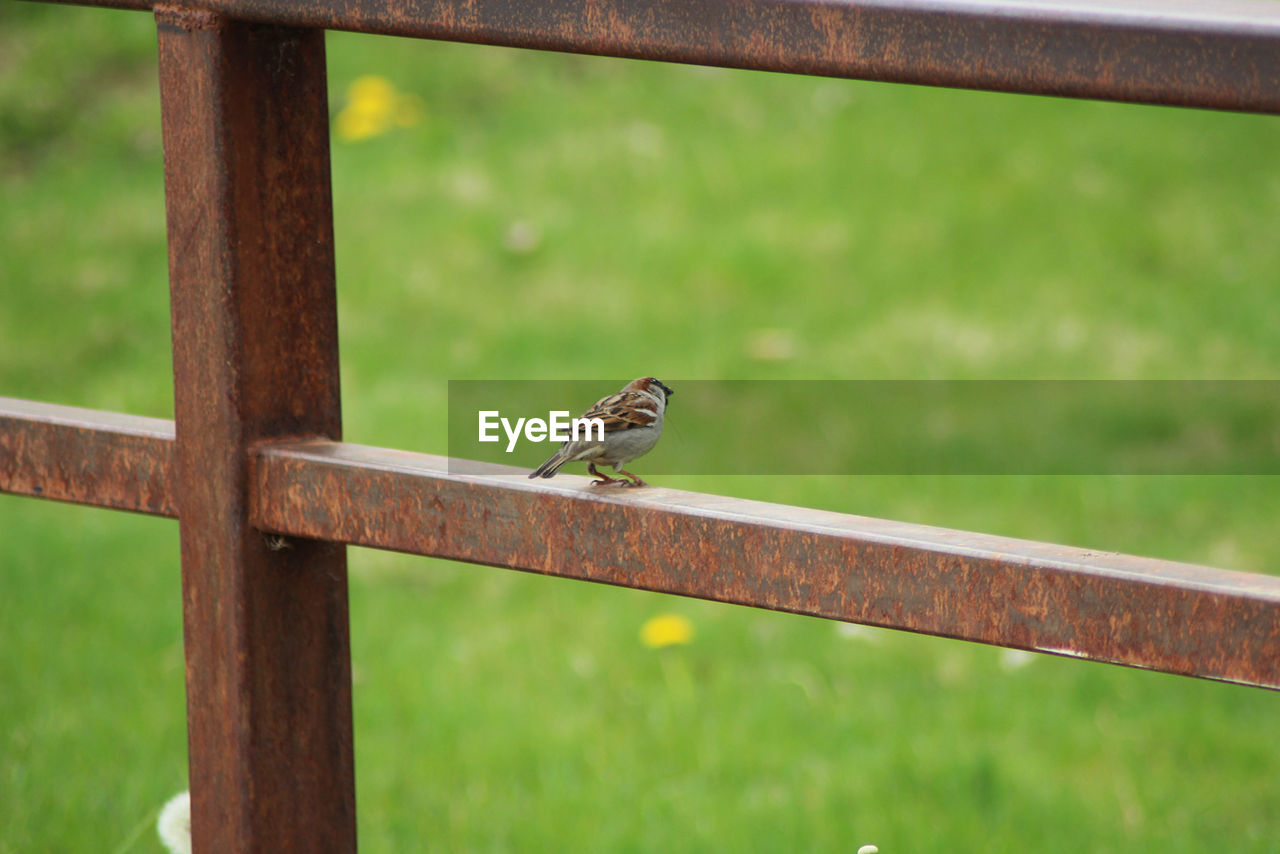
(632, 424)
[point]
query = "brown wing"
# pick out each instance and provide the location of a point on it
(624, 410)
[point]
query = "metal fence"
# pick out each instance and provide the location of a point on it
(255, 448)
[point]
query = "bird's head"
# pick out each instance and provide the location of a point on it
(651, 385)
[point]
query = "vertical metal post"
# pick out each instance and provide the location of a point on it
(245, 118)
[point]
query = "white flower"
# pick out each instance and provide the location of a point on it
(868, 849)
(174, 825)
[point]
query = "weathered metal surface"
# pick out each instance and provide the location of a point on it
(245, 124)
(1108, 607)
(1103, 606)
(1197, 53)
(87, 457)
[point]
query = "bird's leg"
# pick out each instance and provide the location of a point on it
(635, 480)
(604, 480)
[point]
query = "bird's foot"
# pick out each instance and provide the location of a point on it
(634, 482)
(604, 480)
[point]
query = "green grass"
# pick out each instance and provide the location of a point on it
(681, 216)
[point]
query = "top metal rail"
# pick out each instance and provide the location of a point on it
(1190, 53)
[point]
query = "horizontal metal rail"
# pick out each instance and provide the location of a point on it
(86, 456)
(1194, 53)
(1102, 606)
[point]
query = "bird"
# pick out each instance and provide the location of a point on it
(632, 425)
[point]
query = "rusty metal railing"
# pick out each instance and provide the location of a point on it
(255, 445)
(1220, 54)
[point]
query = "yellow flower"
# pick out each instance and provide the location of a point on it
(666, 630)
(371, 93)
(354, 125)
(375, 107)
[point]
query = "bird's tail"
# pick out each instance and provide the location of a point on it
(551, 466)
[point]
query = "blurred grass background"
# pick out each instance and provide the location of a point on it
(546, 216)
